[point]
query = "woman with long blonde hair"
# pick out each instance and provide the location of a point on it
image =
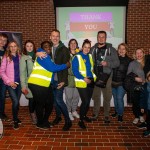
(11, 76)
(136, 67)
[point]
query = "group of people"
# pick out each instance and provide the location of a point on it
(43, 75)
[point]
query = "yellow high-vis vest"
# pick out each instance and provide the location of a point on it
(82, 69)
(40, 76)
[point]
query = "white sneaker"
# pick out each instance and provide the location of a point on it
(75, 114)
(70, 116)
(142, 119)
(136, 120)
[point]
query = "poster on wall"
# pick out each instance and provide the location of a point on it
(14, 36)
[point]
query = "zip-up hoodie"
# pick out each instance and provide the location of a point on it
(111, 57)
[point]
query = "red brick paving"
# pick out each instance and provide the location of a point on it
(98, 136)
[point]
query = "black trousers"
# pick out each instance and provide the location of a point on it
(31, 105)
(136, 104)
(148, 120)
(85, 95)
(44, 102)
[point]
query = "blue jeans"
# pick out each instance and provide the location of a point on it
(118, 94)
(59, 103)
(15, 95)
(2, 96)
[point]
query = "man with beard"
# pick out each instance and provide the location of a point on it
(105, 59)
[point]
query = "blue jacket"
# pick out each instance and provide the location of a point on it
(49, 65)
(75, 66)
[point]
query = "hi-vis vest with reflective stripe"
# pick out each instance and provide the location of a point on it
(40, 76)
(82, 69)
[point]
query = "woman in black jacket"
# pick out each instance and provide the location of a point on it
(119, 75)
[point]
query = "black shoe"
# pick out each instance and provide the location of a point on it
(142, 125)
(4, 117)
(16, 126)
(87, 119)
(19, 122)
(114, 115)
(67, 125)
(146, 133)
(120, 119)
(94, 117)
(56, 120)
(42, 126)
(46, 124)
(50, 124)
(106, 120)
(81, 125)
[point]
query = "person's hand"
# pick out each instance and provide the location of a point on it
(13, 85)
(60, 85)
(68, 64)
(24, 91)
(41, 54)
(87, 80)
(104, 63)
(138, 79)
(142, 110)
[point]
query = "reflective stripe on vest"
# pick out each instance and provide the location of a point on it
(82, 69)
(40, 76)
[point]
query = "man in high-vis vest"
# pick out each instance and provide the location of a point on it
(82, 67)
(40, 83)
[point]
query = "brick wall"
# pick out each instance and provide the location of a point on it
(138, 24)
(36, 18)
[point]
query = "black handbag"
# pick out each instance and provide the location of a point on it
(102, 79)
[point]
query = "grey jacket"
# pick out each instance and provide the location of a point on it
(136, 68)
(112, 59)
(23, 72)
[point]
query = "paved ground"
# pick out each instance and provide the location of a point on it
(98, 136)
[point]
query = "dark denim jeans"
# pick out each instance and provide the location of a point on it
(15, 95)
(59, 103)
(118, 95)
(2, 96)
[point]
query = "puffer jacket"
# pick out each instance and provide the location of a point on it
(120, 72)
(7, 70)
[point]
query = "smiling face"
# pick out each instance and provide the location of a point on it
(29, 47)
(55, 38)
(86, 48)
(122, 51)
(73, 46)
(3, 41)
(13, 48)
(47, 48)
(139, 54)
(101, 38)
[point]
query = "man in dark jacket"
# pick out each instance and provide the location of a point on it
(60, 55)
(105, 59)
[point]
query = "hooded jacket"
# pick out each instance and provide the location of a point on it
(111, 58)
